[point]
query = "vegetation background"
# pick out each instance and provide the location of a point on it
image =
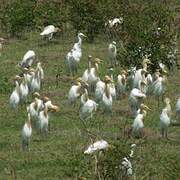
(60, 155)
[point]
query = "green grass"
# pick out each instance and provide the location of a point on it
(60, 155)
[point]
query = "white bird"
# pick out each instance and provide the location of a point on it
(140, 73)
(49, 31)
(44, 117)
(84, 97)
(135, 99)
(28, 59)
(94, 74)
(165, 118)
(87, 72)
(36, 81)
(159, 85)
(99, 145)
(130, 77)
(26, 134)
(24, 90)
(138, 124)
(121, 83)
(126, 167)
(40, 69)
(36, 106)
(112, 53)
(74, 92)
(178, 108)
(73, 58)
(87, 109)
(99, 91)
(15, 96)
(112, 85)
(107, 100)
(114, 22)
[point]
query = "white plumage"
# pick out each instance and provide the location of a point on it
(49, 31)
(73, 57)
(135, 99)
(28, 59)
(87, 109)
(24, 90)
(178, 107)
(114, 22)
(100, 85)
(112, 53)
(36, 81)
(121, 84)
(15, 97)
(99, 145)
(40, 70)
(26, 133)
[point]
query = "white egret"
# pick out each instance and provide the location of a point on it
(28, 59)
(24, 90)
(15, 96)
(36, 81)
(84, 97)
(178, 108)
(87, 109)
(140, 73)
(114, 22)
(135, 99)
(26, 134)
(138, 124)
(73, 58)
(159, 85)
(112, 53)
(112, 85)
(121, 83)
(165, 118)
(87, 72)
(75, 92)
(94, 74)
(100, 85)
(49, 31)
(130, 77)
(98, 145)
(107, 100)
(40, 69)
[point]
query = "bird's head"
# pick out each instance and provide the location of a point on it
(36, 95)
(146, 61)
(54, 108)
(45, 99)
(98, 61)
(144, 107)
(167, 100)
(114, 42)
(81, 35)
(57, 29)
(107, 79)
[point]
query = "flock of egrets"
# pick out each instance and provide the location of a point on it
(94, 92)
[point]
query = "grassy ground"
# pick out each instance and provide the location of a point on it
(60, 155)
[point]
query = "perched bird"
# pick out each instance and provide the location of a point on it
(99, 145)
(135, 99)
(121, 83)
(49, 31)
(15, 96)
(114, 22)
(112, 53)
(107, 100)
(165, 118)
(72, 59)
(28, 59)
(138, 124)
(26, 134)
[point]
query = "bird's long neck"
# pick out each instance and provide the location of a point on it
(46, 111)
(96, 69)
(145, 66)
(17, 88)
(89, 66)
(29, 121)
(107, 90)
(79, 41)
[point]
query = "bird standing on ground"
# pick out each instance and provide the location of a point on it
(26, 134)
(112, 53)
(73, 58)
(15, 96)
(28, 59)
(165, 118)
(49, 31)
(121, 83)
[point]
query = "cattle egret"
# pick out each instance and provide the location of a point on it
(24, 90)
(112, 53)
(165, 118)
(28, 59)
(112, 85)
(99, 145)
(121, 83)
(49, 31)
(26, 134)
